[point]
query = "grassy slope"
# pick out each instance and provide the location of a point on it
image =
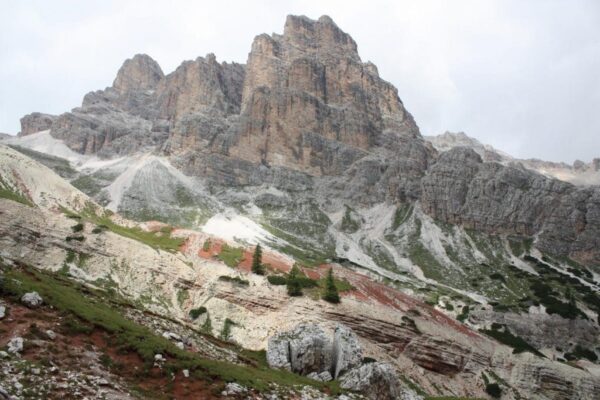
(92, 308)
(158, 240)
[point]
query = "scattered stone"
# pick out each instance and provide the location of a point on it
(15, 345)
(186, 373)
(232, 389)
(171, 336)
(51, 335)
(180, 345)
(3, 354)
(32, 300)
(2, 311)
(4, 394)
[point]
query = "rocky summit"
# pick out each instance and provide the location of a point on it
(392, 265)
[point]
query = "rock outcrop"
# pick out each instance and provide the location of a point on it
(36, 122)
(304, 350)
(377, 380)
(461, 189)
(138, 74)
(307, 350)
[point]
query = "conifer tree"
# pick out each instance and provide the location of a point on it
(331, 293)
(294, 286)
(257, 266)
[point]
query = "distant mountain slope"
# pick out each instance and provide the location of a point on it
(579, 173)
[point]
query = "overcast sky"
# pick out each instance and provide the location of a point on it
(523, 76)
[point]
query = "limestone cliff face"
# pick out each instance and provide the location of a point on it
(138, 73)
(201, 86)
(35, 122)
(461, 189)
(310, 103)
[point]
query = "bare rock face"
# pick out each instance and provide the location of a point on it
(35, 122)
(138, 73)
(461, 189)
(309, 102)
(201, 86)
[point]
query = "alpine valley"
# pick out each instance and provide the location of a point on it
(129, 227)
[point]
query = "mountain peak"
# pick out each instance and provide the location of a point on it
(141, 72)
(322, 35)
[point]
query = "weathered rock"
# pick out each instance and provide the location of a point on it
(309, 103)
(461, 189)
(377, 380)
(347, 351)
(15, 345)
(51, 334)
(32, 299)
(36, 122)
(138, 73)
(2, 311)
(303, 350)
(321, 377)
(234, 389)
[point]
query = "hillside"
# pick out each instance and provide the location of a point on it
(456, 264)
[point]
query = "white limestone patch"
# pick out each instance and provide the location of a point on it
(233, 227)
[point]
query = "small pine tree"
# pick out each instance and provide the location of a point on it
(331, 293)
(257, 266)
(294, 287)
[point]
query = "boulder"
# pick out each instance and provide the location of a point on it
(347, 351)
(377, 380)
(15, 345)
(303, 350)
(32, 300)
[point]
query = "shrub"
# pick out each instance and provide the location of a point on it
(331, 293)
(505, 336)
(206, 245)
(77, 228)
(257, 266)
(464, 314)
(226, 332)
(234, 279)
(294, 287)
(195, 313)
(580, 352)
(277, 280)
(78, 238)
(99, 229)
(494, 390)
